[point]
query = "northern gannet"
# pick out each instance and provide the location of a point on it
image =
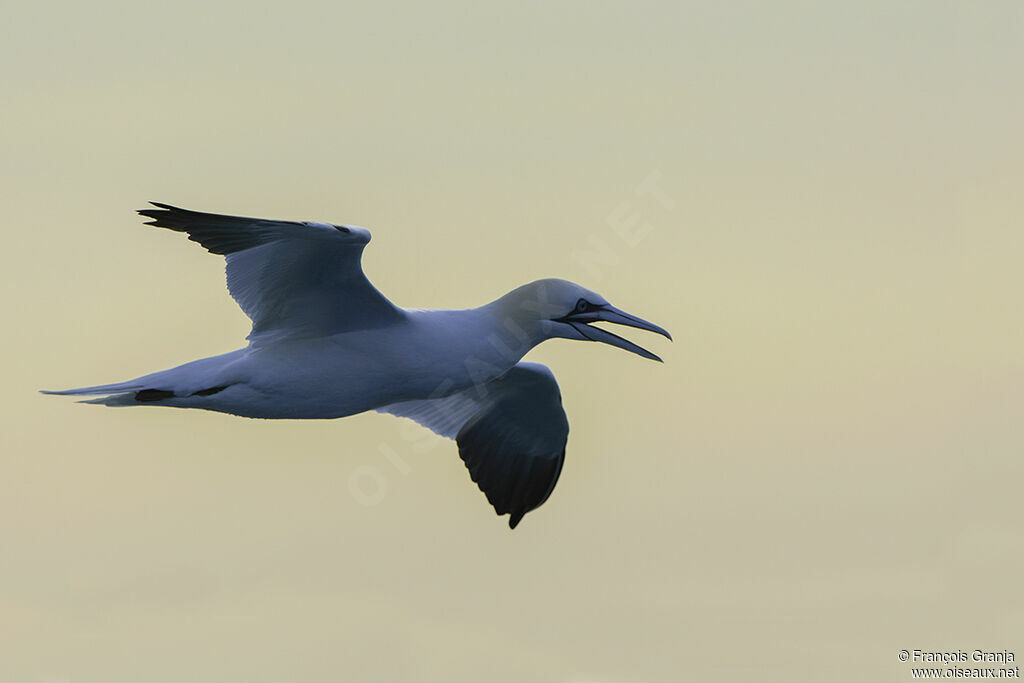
(326, 344)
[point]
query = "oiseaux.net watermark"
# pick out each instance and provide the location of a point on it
(978, 663)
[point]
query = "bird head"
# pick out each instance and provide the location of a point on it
(566, 310)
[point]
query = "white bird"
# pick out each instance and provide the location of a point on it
(326, 344)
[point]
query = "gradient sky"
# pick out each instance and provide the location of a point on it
(826, 469)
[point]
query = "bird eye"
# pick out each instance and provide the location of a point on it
(582, 305)
(341, 228)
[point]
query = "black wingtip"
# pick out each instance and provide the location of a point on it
(149, 395)
(513, 520)
(161, 208)
(166, 216)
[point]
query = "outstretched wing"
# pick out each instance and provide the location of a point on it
(511, 434)
(290, 278)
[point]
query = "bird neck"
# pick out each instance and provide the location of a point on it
(506, 330)
(511, 328)
(482, 343)
(474, 345)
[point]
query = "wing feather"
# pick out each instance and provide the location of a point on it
(511, 435)
(290, 278)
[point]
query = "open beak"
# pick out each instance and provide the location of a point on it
(609, 314)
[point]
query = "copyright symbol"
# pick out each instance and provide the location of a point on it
(904, 655)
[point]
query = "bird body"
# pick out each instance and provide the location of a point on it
(425, 353)
(326, 344)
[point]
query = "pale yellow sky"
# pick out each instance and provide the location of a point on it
(825, 470)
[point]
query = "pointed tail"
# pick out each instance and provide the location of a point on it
(116, 388)
(168, 387)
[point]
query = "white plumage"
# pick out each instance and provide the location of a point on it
(325, 344)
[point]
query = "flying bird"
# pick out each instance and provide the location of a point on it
(326, 344)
